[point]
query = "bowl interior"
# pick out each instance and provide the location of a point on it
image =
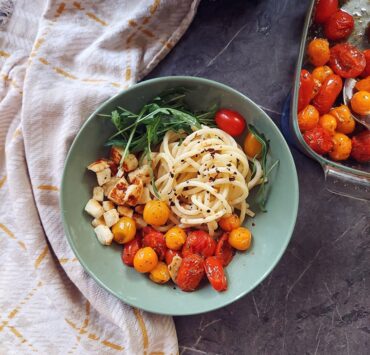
(271, 230)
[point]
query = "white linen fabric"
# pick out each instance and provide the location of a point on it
(59, 60)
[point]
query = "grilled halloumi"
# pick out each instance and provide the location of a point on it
(94, 208)
(116, 154)
(116, 189)
(104, 234)
(174, 267)
(108, 205)
(98, 221)
(99, 165)
(130, 163)
(103, 176)
(145, 197)
(111, 217)
(142, 173)
(125, 211)
(98, 193)
(134, 192)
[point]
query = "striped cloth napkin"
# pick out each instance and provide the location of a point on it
(59, 60)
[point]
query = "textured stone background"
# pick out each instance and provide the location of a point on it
(316, 301)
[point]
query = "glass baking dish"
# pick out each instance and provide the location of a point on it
(345, 178)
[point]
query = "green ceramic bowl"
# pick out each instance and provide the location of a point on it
(271, 231)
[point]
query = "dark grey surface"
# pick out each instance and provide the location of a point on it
(317, 300)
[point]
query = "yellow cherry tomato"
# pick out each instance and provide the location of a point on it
(345, 122)
(240, 238)
(363, 85)
(230, 222)
(145, 260)
(308, 118)
(342, 147)
(360, 103)
(124, 230)
(252, 146)
(175, 238)
(321, 73)
(160, 273)
(328, 122)
(156, 213)
(318, 51)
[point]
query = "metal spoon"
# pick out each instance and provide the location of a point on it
(348, 91)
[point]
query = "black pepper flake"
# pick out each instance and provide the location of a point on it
(253, 224)
(229, 164)
(172, 203)
(232, 178)
(172, 175)
(182, 161)
(235, 173)
(208, 211)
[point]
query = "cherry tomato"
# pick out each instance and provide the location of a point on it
(360, 103)
(324, 9)
(361, 147)
(199, 242)
(316, 87)
(342, 146)
(318, 51)
(215, 273)
(328, 122)
(328, 93)
(229, 222)
(170, 254)
(346, 60)
(156, 241)
(190, 273)
(366, 71)
(129, 250)
(231, 122)
(321, 73)
(363, 85)
(252, 146)
(306, 86)
(319, 140)
(339, 25)
(308, 118)
(345, 122)
(224, 251)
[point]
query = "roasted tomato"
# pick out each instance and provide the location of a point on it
(129, 251)
(342, 146)
(361, 147)
(318, 51)
(170, 254)
(190, 273)
(364, 84)
(360, 103)
(224, 251)
(339, 25)
(319, 140)
(324, 9)
(215, 273)
(156, 241)
(346, 60)
(321, 73)
(308, 118)
(345, 122)
(231, 122)
(328, 93)
(316, 88)
(199, 242)
(306, 86)
(366, 71)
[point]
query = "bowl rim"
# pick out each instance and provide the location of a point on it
(294, 187)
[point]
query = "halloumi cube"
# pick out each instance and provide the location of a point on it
(140, 223)
(98, 165)
(174, 267)
(116, 154)
(98, 193)
(134, 192)
(94, 208)
(115, 190)
(98, 221)
(103, 176)
(108, 205)
(142, 173)
(130, 163)
(104, 234)
(111, 217)
(145, 197)
(125, 211)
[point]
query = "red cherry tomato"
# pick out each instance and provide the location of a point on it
(224, 251)
(306, 87)
(215, 273)
(231, 122)
(156, 241)
(319, 139)
(346, 60)
(328, 93)
(324, 9)
(129, 251)
(199, 242)
(366, 71)
(361, 147)
(339, 26)
(190, 273)
(170, 254)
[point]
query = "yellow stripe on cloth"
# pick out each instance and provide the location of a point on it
(95, 18)
(2, 181)
(41, 257)
(48, 187)
(111, 345)
(142, 326)
(154, 7)
(4, 54)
